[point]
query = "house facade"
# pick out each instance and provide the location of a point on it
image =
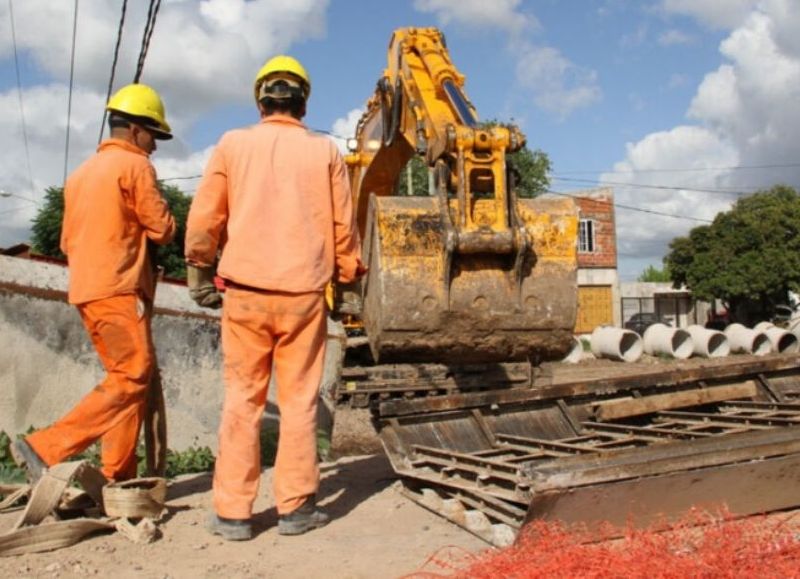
(598, 279)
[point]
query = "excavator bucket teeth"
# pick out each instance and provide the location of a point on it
(606, 453)
(480, 307)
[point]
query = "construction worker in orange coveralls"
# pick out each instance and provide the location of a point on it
(112, 207)
(275, 200)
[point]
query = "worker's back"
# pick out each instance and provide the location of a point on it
(111, 205)
(282, 184)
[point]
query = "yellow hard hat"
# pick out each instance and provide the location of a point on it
(282, 63)
(139, 100)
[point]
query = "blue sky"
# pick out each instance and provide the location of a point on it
(612, 90)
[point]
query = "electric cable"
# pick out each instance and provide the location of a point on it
(71, 79)
(677, 170)
(737, 192)
(152, 14)
(113, 67)
(632, 208)
(19, 93)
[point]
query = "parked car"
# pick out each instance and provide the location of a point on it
(640, 322)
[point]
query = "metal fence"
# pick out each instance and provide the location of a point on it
(677, 311)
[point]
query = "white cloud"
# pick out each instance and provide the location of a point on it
(345, 127)
(203, 54)
(558, 85)
(674, 36)
(746, 114)
(712, 13)
(504, 14)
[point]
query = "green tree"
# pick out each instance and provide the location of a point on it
(46, 230)
(749, 257)
(532, 168)
(170, 256)
(653, 274)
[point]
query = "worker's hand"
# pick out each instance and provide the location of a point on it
(361, 270)
(201, 287)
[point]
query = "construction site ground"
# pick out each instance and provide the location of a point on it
(375, 531)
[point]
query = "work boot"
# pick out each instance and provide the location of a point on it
(26, 457)
(302, 520)
(230, 529)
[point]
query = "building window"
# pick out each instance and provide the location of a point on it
(586, 241)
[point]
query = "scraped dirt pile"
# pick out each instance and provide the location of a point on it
(699, 546)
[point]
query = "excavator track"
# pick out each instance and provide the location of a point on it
(599, 452)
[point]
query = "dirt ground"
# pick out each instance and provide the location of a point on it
(374, 532)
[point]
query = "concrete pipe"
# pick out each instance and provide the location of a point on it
(616, 344)
(782, 341)
(663, 340)
(746, 341)
(576, 353)
(708, 343)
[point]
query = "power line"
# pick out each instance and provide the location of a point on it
(113, 67)
(179, 178)
(71, 79)
(13, 209)
(632, 208)
(150, 24)
(662, 187)
(687, 170)
(19, 94)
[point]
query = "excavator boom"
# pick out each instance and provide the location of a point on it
(464, 271)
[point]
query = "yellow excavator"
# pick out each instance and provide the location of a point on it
(470, 288)
(467, 272)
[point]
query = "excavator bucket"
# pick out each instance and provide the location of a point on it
(424, 302)
(603, 453)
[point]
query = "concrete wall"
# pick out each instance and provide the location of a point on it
(47, 362)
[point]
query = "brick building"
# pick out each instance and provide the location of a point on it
(598, 281)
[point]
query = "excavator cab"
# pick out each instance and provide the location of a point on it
(468, 272)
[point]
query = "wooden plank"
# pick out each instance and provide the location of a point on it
(730, 370)
(615, 409)
(727, 419)
(743, 489)
(653, 461)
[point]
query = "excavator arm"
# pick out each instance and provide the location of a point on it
(464, 271)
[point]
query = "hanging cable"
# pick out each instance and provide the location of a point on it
(663, 187)
(632, 208)
(71, 79)
(19, 93)
(152, 14)
(676, 170)
(113, 67)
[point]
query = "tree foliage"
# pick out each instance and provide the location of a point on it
(46, 229)
(46, 236)
(532, 168)
(749, 257)
(653, 274)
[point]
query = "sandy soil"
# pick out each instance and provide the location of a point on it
(375, 532)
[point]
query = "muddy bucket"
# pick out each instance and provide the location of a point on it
(476, 308)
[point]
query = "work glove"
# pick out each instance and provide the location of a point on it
(201, 287)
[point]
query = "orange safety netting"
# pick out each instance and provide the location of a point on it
(699, 546)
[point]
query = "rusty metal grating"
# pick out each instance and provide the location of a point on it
(630, 452)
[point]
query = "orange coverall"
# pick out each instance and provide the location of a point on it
(275, 199)
(111, 208)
